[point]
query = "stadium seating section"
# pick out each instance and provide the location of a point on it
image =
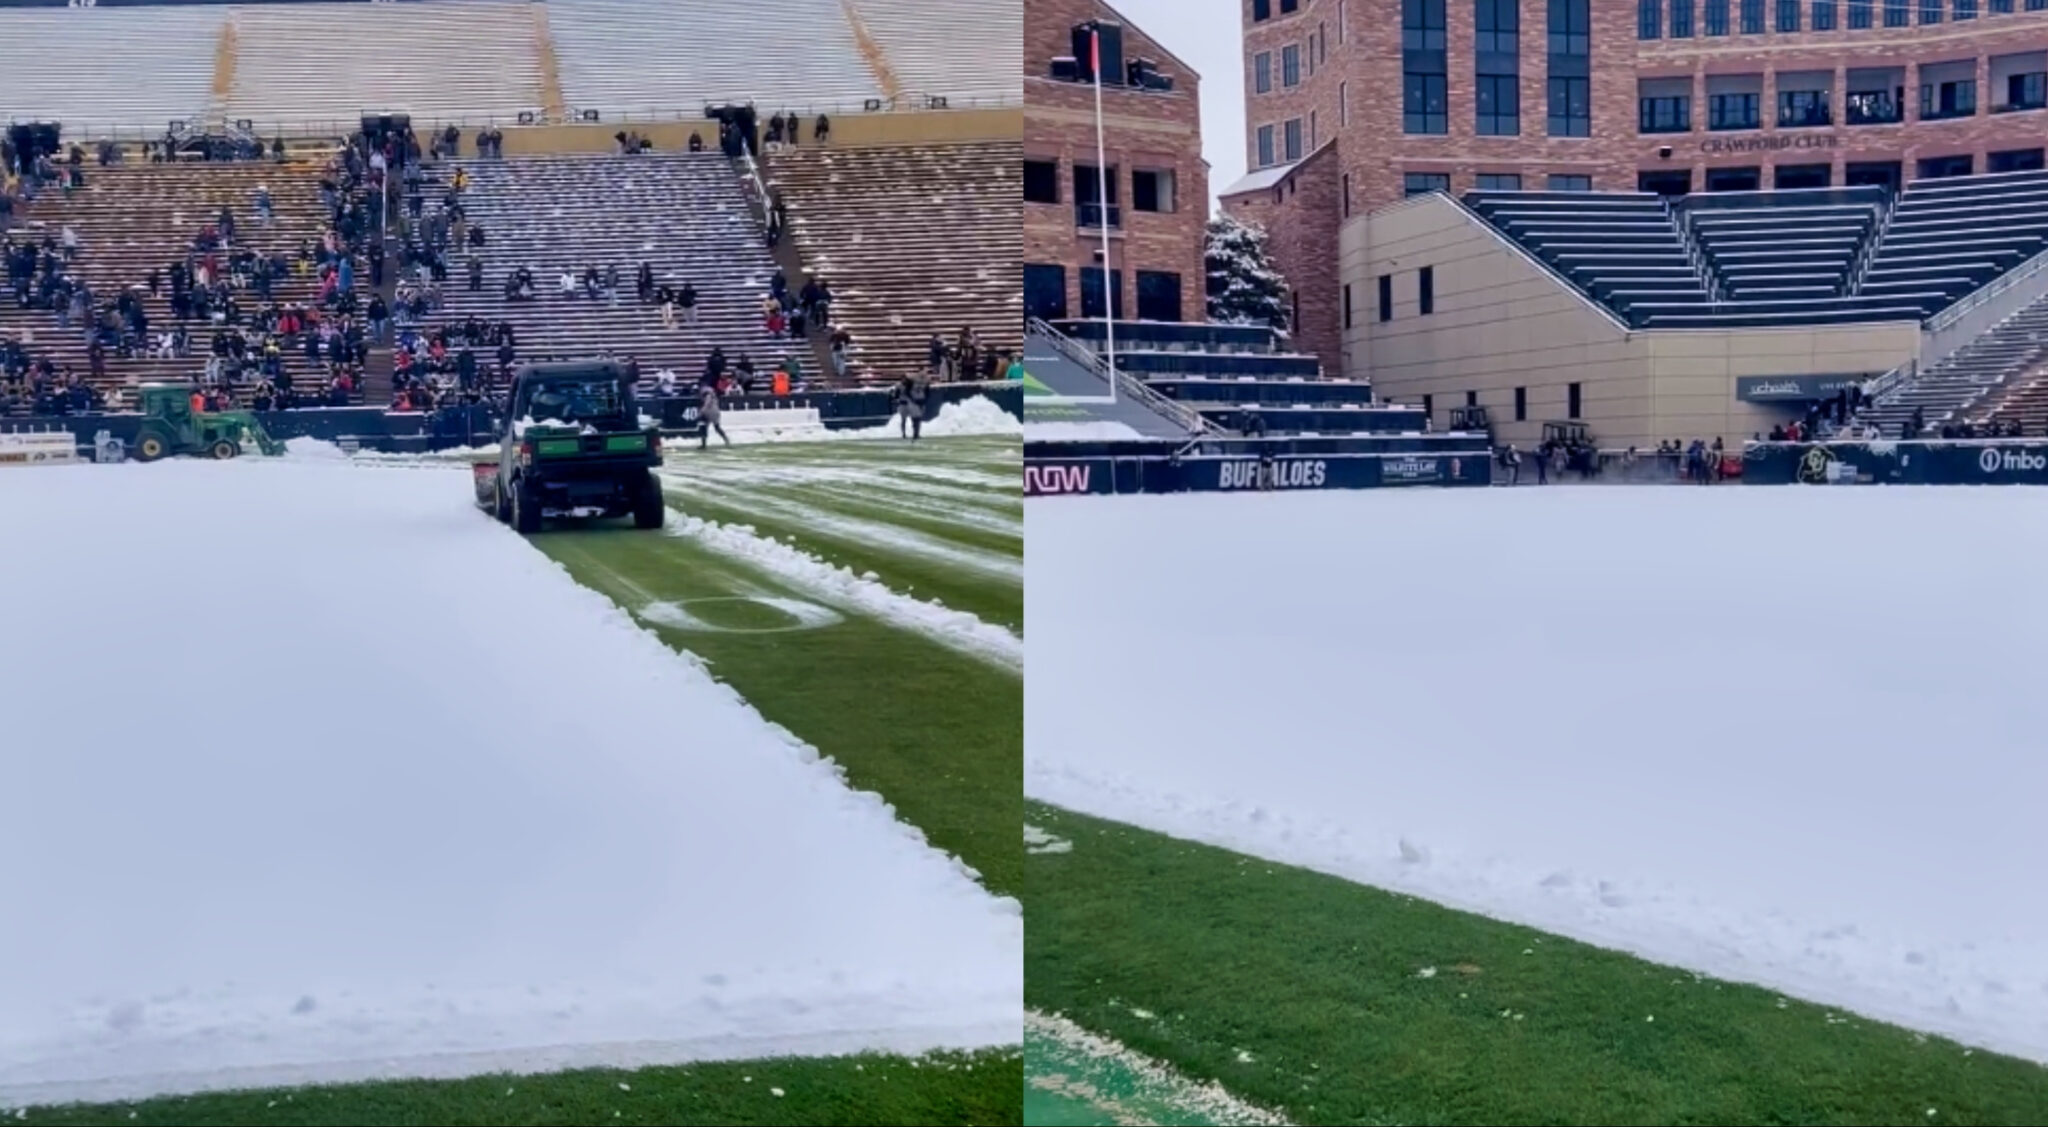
(682, 213)
(1998, 374)
(1752, 259)
(914, 239)
(281, 67)
(132, 220)
(1231, 372)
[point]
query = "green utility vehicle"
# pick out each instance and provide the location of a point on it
(170, 426)
(573, 444)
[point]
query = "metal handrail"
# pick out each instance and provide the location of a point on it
(1181, 414)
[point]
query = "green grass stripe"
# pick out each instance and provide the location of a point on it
(1307, 994)
(940, 1088)
(993, 599)
(937, 734)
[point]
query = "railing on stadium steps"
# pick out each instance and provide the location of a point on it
(1182, 415)
(129, 132)
(1948, 331)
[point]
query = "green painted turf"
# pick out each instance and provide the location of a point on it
(973, 1088)
(937, 733)
(1303, 993)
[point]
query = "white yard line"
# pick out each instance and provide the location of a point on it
(955, 629)
(893, 538)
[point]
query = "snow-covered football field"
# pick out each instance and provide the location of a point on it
(1786, 736)
(309, 771)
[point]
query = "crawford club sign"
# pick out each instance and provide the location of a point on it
(1770, 143)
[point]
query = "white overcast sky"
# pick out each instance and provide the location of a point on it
(1205, 33)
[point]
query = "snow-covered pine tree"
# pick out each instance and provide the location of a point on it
(1243, 287)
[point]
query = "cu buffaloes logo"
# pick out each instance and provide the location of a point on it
(1813, 467)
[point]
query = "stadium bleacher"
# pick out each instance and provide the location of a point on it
(440, 61)
(914, 239)
(621, 57)
(1795, 257)
(1996, 375)
(135, 219)
(100, 70)
(959, 50)
(682, 213)
(1232, 374)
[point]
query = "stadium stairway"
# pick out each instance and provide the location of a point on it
(1229, 374)
(137, 218)
(683, 213)
(2011, 355)
(916, 240)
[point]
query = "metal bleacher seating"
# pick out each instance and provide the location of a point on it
(1622, 249)
(915, 240)
(961, 49)
(622, 57)
(101, 70)
(684, 214)
(131, 220)
(1948, 237)
(443, 61)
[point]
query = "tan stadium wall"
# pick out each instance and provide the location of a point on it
(1502, 322)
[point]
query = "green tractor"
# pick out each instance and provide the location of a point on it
(170, 426)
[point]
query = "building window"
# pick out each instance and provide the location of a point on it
(1041, 181)
(1343, 103)
(1823, 15)
(1497, 37)
(1314, 132)
(1681, 19)
(1649, 19)
(1386, 298)
(1498, 99)
(1265, 146)
(1262, 73)
(1290, 65)
(1425, 74)
(1287, 7)
(1344, 186)
(1521, 404)
(1717, 17)
(1425, 291)
(1569, 182)
(1859, 15)
(1800, 108)
(1291, 132)
(2001, 6)
(1322, 42)
(1152, 190)
(1045, 291)
(1940, 100)
(1896, 13)
(1671, 114)
(1966, 9)
(1571, 401)
(1569, 87)
(1752, 17)
(1421, 183)
(1091, 294)
(1158, 296)
(1088, 203)
(1788, 15)
(1262, 10)
(2026, 91)
(1499, 181)
(1930, 11)
(1347, 305)
(1731, 111)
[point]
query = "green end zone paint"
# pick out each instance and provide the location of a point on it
(1074, 1078)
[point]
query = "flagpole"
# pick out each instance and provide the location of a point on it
(1109, 294)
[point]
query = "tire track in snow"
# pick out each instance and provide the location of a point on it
(895, 539)
(957, 630)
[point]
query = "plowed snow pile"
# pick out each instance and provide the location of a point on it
(313, 772)
(1787, 736)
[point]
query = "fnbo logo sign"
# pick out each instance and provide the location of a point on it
(1992, 460)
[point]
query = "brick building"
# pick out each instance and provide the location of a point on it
(1158, 183)
(1353, 104)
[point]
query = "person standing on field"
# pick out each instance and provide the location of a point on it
(707, 414)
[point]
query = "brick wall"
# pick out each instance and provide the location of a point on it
(1301, 215)
(1141, 130)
